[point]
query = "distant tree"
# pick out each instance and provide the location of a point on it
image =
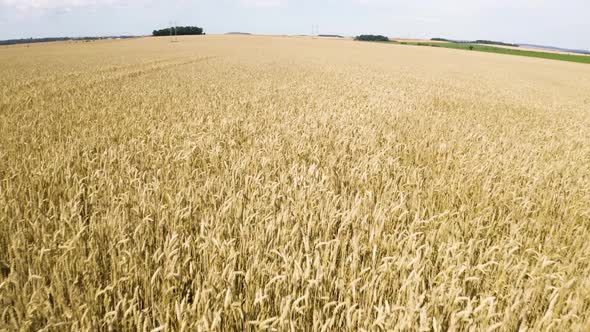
(55, 39)
(492, 42)
(471, 47)
(180, 31)
(479, 41)
(372, 38)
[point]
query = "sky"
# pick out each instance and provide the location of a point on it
(562, 23)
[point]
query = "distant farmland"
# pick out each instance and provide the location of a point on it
(506, 50)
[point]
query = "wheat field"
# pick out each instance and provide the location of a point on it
(234, 183)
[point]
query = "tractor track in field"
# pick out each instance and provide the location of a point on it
(46, 93)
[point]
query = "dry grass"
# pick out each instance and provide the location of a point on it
(265, 183)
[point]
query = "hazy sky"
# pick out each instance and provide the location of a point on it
(564, 23)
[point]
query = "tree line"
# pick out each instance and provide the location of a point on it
(479, 41)
(179, 31)
(371, 38)
(56, 39)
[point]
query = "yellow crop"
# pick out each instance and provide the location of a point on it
(274, 183)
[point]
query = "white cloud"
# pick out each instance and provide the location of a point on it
(264, 3)
(23, 7)
(28, 6)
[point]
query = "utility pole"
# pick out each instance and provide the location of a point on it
(315, 30)
(173, 35)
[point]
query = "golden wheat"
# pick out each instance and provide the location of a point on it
(266, 183)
